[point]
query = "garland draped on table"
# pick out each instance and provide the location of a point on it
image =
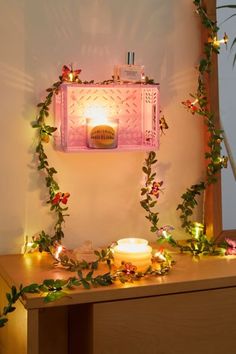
(57, 200)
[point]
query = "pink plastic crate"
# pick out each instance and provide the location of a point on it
(136, 107)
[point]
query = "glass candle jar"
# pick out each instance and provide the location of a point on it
(102, 133)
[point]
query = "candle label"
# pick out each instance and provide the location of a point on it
(103, 136)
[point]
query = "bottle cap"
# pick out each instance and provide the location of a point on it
(130, 58)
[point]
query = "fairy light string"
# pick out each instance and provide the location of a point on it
(199, 105)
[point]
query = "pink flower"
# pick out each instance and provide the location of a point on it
(156, 188)
(231, 249)
(56, 199)
(64, 198)
(190, 106)
(60, 197)
(164, 230)
(129, 268)
(70, 74)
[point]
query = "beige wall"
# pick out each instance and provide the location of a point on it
(37, 38)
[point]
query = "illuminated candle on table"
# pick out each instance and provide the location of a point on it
(133, 250)
(102, 133)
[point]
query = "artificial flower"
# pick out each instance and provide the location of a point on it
(156, 188)
(231, 247)
(190, 106)
(70, 74)
(129, 268)
(60, 198)
(164, 230)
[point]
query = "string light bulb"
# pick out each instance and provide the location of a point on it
(197, 230)
(58, 251)
(217, 42)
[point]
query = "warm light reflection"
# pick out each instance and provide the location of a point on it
(99, 114)
(197, 229)
(27, 247)
(57, 252)
(132, 245)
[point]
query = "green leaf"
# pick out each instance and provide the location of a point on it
(54, 296)
(8, 296)
(3, 321)
(48, 282)
(145, 170)
(89, 276)
(85, 284)
(32, 288)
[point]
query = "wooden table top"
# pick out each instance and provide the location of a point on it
(186, 275)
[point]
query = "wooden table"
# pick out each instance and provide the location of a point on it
(190, 311)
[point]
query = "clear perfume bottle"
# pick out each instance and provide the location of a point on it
(129, 72)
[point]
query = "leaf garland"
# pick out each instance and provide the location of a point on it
(150, 192)
(199, 105)
(44, 132)
(55, 289)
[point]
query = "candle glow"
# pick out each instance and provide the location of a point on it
(133, 250)
(102, 132)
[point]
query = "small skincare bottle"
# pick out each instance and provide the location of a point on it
(129, 72)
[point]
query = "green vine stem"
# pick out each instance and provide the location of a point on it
(151, 191)
(199, 105)
(57, 200)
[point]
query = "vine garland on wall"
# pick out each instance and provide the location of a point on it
(198, 243)
(198, 105)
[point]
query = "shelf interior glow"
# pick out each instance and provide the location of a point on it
(133, 250)
(135, 106)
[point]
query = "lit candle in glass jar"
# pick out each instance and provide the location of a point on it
(133, 250)
(102, 133)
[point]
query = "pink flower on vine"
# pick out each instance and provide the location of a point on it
(191, 105)
(165, 230)
(70, 74)
(129, 268)
(231, 247)
(156, 188)
(60, 198)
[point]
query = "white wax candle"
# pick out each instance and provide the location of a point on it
(135, 251)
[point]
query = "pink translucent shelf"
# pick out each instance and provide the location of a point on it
(136, 107)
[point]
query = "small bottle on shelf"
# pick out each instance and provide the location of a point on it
(129, 72)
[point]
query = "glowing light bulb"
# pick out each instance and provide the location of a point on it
(195, 101)
(71, 76)
(160, 256)
(197, 229)
(58, 251)
(217, 42)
